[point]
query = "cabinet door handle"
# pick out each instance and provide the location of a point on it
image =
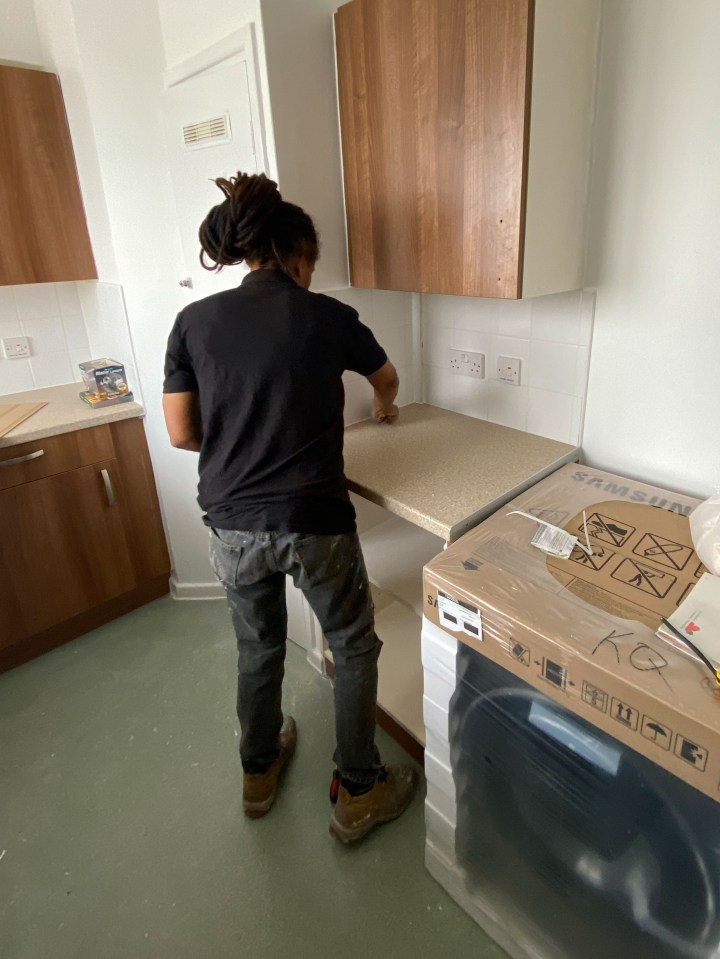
(23, 459)
(110, 492)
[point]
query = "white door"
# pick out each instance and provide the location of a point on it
(213, 128)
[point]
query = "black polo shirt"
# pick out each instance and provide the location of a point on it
(266, 360)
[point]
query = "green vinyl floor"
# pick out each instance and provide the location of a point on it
(121, 828)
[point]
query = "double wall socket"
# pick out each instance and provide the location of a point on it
(468, 364)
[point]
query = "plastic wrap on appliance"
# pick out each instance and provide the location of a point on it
(585, 637)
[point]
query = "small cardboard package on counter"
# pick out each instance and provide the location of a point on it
(104, 378)
(582, 629)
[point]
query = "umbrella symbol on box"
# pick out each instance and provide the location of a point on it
(656, 732)
(656, 728)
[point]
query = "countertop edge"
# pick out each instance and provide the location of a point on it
(470, 522)
(400, 509)
(101, 418)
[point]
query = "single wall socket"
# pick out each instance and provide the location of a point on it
(508, 370)
(15, 347)
(468, 364)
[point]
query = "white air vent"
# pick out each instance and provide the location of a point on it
(207, 133)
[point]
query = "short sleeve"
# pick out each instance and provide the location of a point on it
(179, 373)
(363, 353)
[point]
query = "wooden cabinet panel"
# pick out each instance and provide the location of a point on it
(44, 236)
(434, 107)
(54, 454)
(63, 549)
(139, 502)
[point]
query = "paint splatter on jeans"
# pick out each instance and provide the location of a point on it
(331, 573)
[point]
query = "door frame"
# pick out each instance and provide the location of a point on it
(240, 44)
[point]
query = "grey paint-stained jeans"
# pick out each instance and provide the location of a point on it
(331, 573)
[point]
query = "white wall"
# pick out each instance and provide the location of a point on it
(111, 60)
(189, 27)
(300, 56)
(61, 54)
(19, 40)
(654, 396)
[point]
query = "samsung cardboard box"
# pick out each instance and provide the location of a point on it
(581, 626)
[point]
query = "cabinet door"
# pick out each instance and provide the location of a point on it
(63, 549)
(44, 237)
(434, 110)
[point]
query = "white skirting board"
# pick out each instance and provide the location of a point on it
(195, 590)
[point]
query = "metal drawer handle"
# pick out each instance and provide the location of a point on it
(110, 492)
(23, 459)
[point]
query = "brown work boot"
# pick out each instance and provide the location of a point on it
(354, 816)
(260, 789)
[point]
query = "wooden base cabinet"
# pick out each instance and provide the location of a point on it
(81, 539)
(466, 135)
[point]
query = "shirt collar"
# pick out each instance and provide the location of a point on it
(265, 277)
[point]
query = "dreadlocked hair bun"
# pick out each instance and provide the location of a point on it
(254, 223)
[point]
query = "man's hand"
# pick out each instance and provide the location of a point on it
(385, 382)
(384, 412)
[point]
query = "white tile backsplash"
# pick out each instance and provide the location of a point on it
(551, 335)
(36, 311)
(10, 328)
(439, 387)
(405, 393)
(508, 405)
(553, 366)
(52, 369)
(550, 414)
(66, 324)
(76, 334)
(437, 342)
(15, 376)
(390, 309)
(8, 306)
(472, 397)
(68, 299)
(37, 301)
(46, 335)
(471, 340)
(587, 318)
(557, 317)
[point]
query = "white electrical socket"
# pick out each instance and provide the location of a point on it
(15, 347)
(508, 370)
(467, 364)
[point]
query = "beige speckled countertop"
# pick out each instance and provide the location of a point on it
(65, 412)
(443, 471)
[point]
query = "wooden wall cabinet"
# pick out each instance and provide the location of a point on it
(81, 539)
(466, 135)
(44, 233)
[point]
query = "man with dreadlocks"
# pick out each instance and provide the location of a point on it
(253, 383)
